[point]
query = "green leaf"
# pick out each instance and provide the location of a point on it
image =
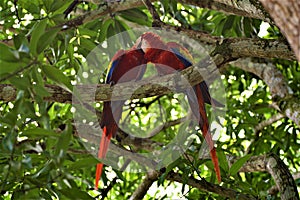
(37, 31)
(27, 161)
(59, 6)
(9, 67)
(48, 5)
(40, 132)
(228, 23)
(57, 76)
(22, 83)
(223, 160)
(103, 30)
(8, 142)
(8, 54)
(111, 30)
(39, 88)
(238, 164)
(19, 39)
(75, 193)
(83, 163)
(85, 31)
(173, 165)
(136, 15)
(24, 49)
(45, 195)
(87, 44)
(124, 38)
(46, 39)
(31, 6)
(63, 142)
(120, 175)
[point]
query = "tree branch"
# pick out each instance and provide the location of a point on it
(155, 16)
(268, 122)
(274, 190)
(233, 47)
(103, 10)
(244, 8)
(286, 16)
(208, 187)
(141, 191)
(147, 87)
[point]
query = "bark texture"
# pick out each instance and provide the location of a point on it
(286, 14)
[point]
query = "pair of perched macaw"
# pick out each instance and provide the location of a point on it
(150, 48)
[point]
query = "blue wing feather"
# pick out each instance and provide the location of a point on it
(113, 65)
(111, 68)
(203, 86)
(181, 57)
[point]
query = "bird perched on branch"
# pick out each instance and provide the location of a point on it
(126, 65)
(170, 57)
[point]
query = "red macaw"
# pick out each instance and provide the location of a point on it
(126, 65)
(170, 57)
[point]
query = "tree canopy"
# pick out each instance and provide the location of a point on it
(53, 58)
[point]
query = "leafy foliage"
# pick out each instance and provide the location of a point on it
(43, 157)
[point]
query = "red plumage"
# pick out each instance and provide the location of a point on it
(126, 65)
(167, 59)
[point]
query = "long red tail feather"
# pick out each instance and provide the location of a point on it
(104, 143)
(206, 133)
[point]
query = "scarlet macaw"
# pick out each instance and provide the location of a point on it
(170, 57)
(126, 65)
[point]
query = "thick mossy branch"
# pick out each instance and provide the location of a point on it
(244, 8)
(104, 92)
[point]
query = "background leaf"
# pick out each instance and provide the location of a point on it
(238, 164)
(57, 76)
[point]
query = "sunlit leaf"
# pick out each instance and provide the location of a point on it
(238, 164)
(37, 31)
(58, 76)
(40, 132)
(8, 54)
(46, 39)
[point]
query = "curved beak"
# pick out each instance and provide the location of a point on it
(142, 44)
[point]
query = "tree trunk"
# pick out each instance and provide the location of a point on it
(286, 16)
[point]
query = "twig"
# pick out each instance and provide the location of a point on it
(261, 126)
(71, 7)
(105, 191)
(17, 11)
(209, 187)
(156, 20)
(268, 122)
(140, 192)
(18, 71)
